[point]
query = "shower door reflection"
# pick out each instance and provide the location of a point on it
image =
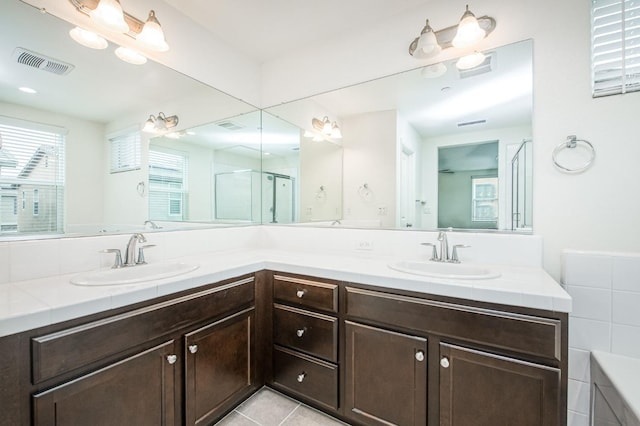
(278, 198)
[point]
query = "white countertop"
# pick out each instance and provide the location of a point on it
(623, 372)
(29, 304)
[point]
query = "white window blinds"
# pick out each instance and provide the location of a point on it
(31, 177)
(125, 152)
(615, 43)
(167, 185)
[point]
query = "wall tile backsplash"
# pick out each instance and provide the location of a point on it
(605, 288)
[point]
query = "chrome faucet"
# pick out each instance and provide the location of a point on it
(130, 253)
(444, 247)
(153, 224)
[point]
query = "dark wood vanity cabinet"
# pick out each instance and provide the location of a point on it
(305, 339)
(186, 359)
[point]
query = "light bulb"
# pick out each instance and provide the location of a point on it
(469, 31)
(152, 35)
(109, 14)
(88, 38)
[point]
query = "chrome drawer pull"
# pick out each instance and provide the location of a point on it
(420, 356)
(193, 348)
(444, 362)
(300, 293)
(301, 377)
(171, 359)
(300, 332)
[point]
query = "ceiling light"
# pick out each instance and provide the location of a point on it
(28, 90)
(160, 124)
(130, 56)
(88, 38)
(470, 61)
(469, 31)
(433, 71)
(427, 43)
(152, 35)
(109, 14)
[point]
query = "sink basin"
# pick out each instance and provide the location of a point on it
(458, 271)
(133, 274)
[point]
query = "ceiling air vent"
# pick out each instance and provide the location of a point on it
(229, 125)
(486, 66)
(37, 60)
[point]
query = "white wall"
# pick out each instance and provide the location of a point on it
(375, 167)
(592, 210)
(320, 166)
(83, 145)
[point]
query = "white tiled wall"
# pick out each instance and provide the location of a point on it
(605, 288)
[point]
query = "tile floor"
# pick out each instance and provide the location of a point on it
(270, 408)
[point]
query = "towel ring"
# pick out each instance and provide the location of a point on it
(571, 143)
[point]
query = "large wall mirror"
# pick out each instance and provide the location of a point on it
(435, 147)
(62, 169)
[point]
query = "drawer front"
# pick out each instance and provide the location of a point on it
(315, 334)
(306, 292)
(514, 332)
(304, 375)
(96, 342)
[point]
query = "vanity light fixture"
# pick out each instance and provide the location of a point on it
(110, 15)
(470, 61)
(467, 33)
(326, 128)
(433, 71)
(160, 124)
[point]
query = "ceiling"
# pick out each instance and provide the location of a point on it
(267, 29)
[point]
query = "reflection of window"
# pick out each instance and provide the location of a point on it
(31, 177)
(167, 185)
(125, 152)
(484, 199)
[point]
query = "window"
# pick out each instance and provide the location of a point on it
(167, 185)
(125, 152)
(615, 44)
(31, 177)
(484, 199)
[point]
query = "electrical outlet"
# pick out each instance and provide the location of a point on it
(364, 245)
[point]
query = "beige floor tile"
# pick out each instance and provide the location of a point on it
(305, 416)
(236, 419)
(267, 407)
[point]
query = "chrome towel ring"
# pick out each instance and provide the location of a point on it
(571, 143)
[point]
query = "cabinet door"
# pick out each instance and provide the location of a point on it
(135, 391)
(385, 376)
(479, 388)
(219, 366)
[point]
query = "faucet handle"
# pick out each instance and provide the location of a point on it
(118, 262)
(454, 252)
(434, 251)
(141, 260)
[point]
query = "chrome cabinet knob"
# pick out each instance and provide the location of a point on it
(193, 348)
(171, 359)
(300, 332)
(300, 293)
(420, 356)
(301, 377)
(444, 362)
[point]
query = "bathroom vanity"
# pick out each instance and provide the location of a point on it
(351, 337)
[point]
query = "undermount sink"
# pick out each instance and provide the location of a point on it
(133, 274)
(445, 270)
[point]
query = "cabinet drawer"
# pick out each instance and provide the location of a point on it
(305, 292)
(312, 378)
(101, 341)
(309, 332)
(527, 334)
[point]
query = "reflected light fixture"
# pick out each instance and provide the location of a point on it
(326, 128)
(88, 38)
(427, 43)
(152, 35)
(469, 31)
(433, 71)
(466, 34)
(130, 56)
(160, 124)
(470, 61)
(110, 15)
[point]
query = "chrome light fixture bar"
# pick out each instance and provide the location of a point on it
(430, 42)
(109, 14)
(160, 124)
